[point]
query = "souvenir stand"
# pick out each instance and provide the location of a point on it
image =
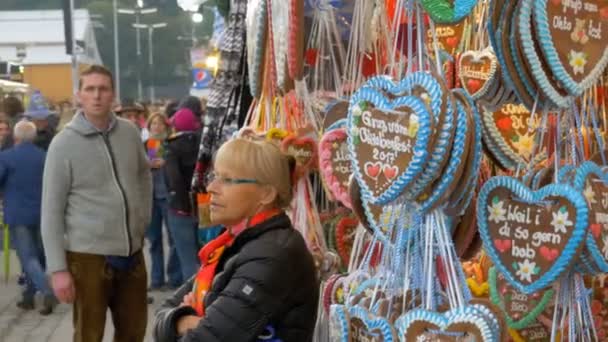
(451, 179)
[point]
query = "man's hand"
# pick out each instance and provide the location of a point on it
(63, 286)
(187, 323)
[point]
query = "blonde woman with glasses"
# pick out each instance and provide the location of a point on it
(257, 279)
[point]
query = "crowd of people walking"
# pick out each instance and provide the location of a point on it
(80, 200)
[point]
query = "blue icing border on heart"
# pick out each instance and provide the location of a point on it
(373, 323)
(519, 68)
(454, 316)
(339, 322)
(472, 181)
(483, 311)
(496, 144)
(500, 54)
(419, 150)
(526, 195)
(525, 29)
(597, 262)
(444, 135)
(548, 48)
(562, 174)
(338, 124)
(456, 154)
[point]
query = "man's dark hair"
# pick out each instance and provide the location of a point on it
(96, 69)
(13, 106)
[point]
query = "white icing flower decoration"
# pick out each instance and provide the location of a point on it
(589, 194)
(354, 131)
(560, 221)
(357, 111)
(525, 144)
(497, 212)
(526, 270)
(578, 60)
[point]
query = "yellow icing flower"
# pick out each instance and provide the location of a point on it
(578, 60)
(524, 145)
(413, 128)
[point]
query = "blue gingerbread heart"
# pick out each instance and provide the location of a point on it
(531, 236)
(389, 142)
(418, 324)
(592, 182)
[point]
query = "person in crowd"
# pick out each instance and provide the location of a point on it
(171, 108)
(192, 103)
(96, 205)
(13, 108)
(158, 127)
(45, 120)
(181, 153)
(21, 169)
(6, 139)
(134, 113)
(257, 278)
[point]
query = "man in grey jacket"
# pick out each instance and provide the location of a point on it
(96, 204)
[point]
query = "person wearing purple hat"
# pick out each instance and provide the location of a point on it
(39, 113)
(181, 154)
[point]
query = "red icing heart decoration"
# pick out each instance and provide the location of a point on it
(549, 254)
(304, 150)
(372, 170)
(335, 164)
(502, 245)
(390, 172)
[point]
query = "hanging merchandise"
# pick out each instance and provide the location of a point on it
(227, 97)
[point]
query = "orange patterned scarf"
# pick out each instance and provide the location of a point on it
(209, 256)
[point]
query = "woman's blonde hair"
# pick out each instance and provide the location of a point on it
(154, 116)
(263, 161)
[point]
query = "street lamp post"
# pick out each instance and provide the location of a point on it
(150, 28)
(138, 11)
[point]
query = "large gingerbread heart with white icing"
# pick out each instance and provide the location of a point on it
(388, 141)
(531, 236)
(574, 39)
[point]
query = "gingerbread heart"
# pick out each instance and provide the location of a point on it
(389, 142)
(364, 326)
(334, 112)
(513, 223)
(421, 325)
(511, 134)
(335, 165)
(447, 12)
(345, 236)
(338, 323)
(535, 332)
(574, 40)
(448, 37)
(592, 181)
(303, 149)
(477, 72)
(520, 309)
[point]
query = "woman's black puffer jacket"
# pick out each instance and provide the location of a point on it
(266, 278)
(180, 158)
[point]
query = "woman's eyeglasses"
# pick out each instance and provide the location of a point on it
(211, 176)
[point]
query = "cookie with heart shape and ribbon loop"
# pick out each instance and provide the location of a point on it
(512, 222)
(389, 142)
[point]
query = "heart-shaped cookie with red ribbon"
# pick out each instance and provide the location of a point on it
(531, 236)
(303, 150)
(477, 71)
(389, 142)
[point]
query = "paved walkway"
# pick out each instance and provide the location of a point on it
(17, 325)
